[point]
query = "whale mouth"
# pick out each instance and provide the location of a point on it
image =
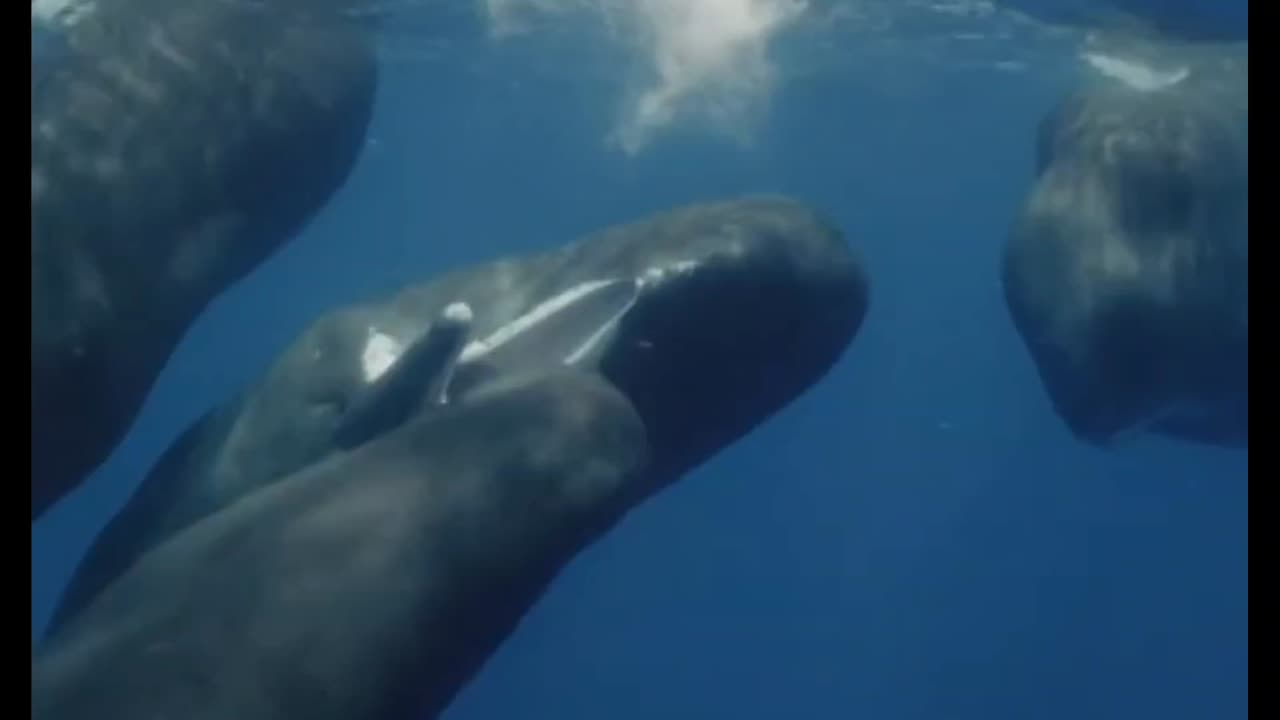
(571, 328)
(577, 327)
(565, 328)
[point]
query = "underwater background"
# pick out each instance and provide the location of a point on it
(918, 536)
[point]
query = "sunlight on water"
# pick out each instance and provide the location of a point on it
(712, 67)
(715, 66)
(709, 66)
(707, 61)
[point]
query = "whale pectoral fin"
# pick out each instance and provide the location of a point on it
(418, 376)
(383, 404)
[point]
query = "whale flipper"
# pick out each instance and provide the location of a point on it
(419, 375)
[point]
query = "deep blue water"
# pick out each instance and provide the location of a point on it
(916, 537)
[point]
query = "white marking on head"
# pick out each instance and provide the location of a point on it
(380, 352)
(658, 274)
(1135, 74)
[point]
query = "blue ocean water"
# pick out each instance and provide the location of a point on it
(918, 536)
